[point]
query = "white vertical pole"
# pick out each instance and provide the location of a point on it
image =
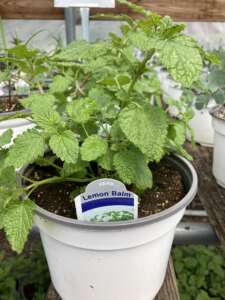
(85, 23)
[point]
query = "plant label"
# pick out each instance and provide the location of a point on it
(106, 200)
(85, 3)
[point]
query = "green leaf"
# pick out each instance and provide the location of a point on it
(65, 146)
(70, 169)
(8, 177)
(177, 132)
(146, 128)
(17, 222)
(146, 43)
(182, 59)
(219, 96)
(106, 161)
(132, 168)
(60, 84)
(93, 147)
(21, 51)
(217, 78)
(82, 50)
(48, 119)
(34, 102)
(81, 110)
(6, 137)
(26, 148)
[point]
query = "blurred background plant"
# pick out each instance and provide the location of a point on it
(200, 272)
(24, 277)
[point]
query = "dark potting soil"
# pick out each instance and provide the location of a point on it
(168, 189)
(10, 105)
(219, 112)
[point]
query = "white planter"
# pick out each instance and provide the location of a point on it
(112, 261)
(219, 151)
(202, 126)
(18, 126)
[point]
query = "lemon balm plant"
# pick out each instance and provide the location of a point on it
(105, 107)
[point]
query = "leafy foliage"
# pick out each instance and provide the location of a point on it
(200, 272)
(17, 282)
(211, 85)
(93, 147)
(146, 128)
(17, 222)
(65, 146)
(104, 113)
(26, 149)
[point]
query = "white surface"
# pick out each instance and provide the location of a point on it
(17, 125)
(202, 126)
(119, 264)
(84, 3)
(219, 151)
(211, 35)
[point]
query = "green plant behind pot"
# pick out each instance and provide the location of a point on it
(200, 272)
(105, 107)
(21, 63)
(210, 86)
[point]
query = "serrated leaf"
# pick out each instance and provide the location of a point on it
(182, 59)
(17, 222)
(6, 137)
(60, 84)
(70, 169)
(82, 50)
(146, 128)
(8, 177)
(26, 148)
(93, 147)
(48, 119)
(34, 102)
(81, 110)
(132, 168)
(100, 96)
(65, 145)
(144, 42)
(106, 161)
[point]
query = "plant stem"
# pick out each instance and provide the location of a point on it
(140, 70)
(2, 31)
(52, 180)
(48, 162)
(26, 178)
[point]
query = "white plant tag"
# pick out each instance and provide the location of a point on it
(106, 200)
(85, 3)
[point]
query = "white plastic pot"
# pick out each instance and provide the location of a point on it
(219, 151)
(18, 125)
(113, 261)
(202, 126)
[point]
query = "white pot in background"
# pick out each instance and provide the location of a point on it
(18, 125)
(219, 151)
(202, 126)
(113, 260)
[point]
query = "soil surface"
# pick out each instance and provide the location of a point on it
(57, 198)
(220, 112)
(10, 105)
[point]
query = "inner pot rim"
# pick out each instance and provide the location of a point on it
(190, 180)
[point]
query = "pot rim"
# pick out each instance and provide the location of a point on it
(212, 110)
(193, 186)
(11, 113)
